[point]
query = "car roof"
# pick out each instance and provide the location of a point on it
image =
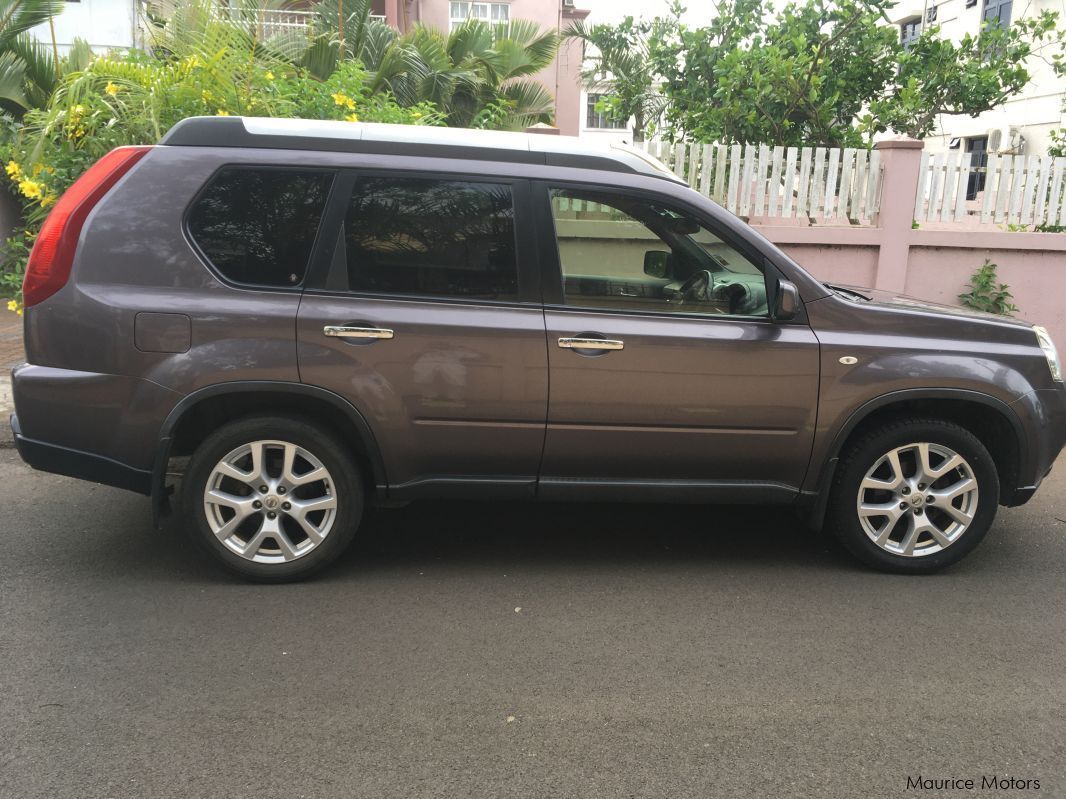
(414, 140)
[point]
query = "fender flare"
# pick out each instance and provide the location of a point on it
(160, 497)
(827, 468)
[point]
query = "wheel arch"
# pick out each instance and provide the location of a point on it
(990, 419)
(198, 413)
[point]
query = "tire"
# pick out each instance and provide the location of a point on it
(293, 543)
(894, 527)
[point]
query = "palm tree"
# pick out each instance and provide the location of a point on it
(473, 68)
(27, 70)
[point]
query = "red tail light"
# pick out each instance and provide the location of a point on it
(49, 265)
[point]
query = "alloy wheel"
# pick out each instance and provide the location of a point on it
(917, 499)
(270, 501)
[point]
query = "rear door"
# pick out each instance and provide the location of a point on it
(424, 313)
(668, 378)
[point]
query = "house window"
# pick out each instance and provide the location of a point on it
(930, 14)
(971, 3)
(997, 12)
(909, 33)
(598, 119)
(489, 13)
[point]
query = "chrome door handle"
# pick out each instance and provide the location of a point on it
(591, 343)
(339, 331)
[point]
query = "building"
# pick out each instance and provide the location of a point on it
(1023, 124)
(104, 24)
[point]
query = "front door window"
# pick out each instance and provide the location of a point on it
(631, 254)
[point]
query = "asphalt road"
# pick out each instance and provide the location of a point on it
(659, 652)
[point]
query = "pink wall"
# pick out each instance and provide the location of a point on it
(562, 78)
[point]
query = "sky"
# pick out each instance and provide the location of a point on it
(699, 12)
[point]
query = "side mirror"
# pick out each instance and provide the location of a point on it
(786, 301)
(658, 264)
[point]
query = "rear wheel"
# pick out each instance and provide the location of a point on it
(272, 498)
(914, 496)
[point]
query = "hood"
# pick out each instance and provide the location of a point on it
(890, 299)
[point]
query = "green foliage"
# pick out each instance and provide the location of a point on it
(1058, 142)
(817, 72)
(987, 293)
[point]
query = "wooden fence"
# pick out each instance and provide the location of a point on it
(1012, 189)
(819, 183)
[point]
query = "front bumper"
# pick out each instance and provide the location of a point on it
(82, 465)
(1043, 413)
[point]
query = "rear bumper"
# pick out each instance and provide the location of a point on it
(82, 465)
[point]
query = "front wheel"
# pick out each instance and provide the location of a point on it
(271, 498)
(914, 496)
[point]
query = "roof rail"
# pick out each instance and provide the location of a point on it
(414, 140)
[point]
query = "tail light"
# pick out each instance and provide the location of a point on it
(52, 256)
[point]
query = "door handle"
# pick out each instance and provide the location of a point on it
(578, 343)
(340, 331)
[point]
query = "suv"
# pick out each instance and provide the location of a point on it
(323, 316)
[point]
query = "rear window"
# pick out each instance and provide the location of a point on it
(257, 225)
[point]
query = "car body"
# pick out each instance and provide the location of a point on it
(520, 362)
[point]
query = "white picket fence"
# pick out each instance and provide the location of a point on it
(1012, 189)
(819, 183)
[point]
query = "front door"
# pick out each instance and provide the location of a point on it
(419, 319)
(667, 375)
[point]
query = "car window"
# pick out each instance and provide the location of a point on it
(629, 253)
(257, 225)
(439, 238)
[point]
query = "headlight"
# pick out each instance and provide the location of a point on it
(1043, 338)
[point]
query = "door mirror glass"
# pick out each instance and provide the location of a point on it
(658, 264)
(786, 302)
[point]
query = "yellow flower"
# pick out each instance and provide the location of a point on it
(47, 200)
(206, 96)
(19, 312)
(12, 305)
(351, 118)
(342, 99)
(14, 171)
(270, 76)
(417, 114)
(222, 112)
(77, 111)
(30, 188)
(38, 169)
(111, 88)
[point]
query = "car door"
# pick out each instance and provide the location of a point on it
(425, 315)
(668, 377)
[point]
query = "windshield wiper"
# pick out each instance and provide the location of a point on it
(847, 292)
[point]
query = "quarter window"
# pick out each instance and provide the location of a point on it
(632, 254)
(439, 238)
(257, 225)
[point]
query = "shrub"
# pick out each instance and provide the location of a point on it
(986, 293)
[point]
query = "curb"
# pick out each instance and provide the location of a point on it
(7, 407)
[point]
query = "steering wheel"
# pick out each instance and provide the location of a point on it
(697, 287)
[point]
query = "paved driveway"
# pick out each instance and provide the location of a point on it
(521, 651)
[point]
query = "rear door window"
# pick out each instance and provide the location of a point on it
(428, 237)
(257, 225)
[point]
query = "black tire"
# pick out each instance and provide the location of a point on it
(346, 486)
(867, 450)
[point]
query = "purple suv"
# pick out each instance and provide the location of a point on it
(323, 315)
